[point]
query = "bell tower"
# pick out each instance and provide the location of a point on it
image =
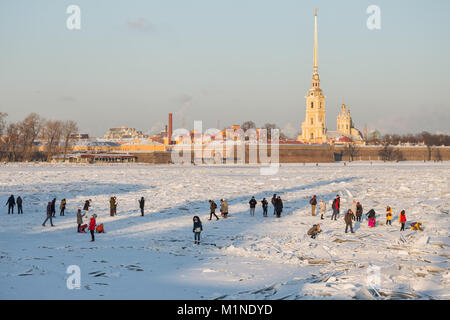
(313, 128)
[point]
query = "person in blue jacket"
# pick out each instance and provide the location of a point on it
(198, 228)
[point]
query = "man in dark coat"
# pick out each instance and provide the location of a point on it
(265, 205)
(313, 203)
(115, 205)
(349, 217)
(359, 211)
(252, 204)
(49, 214)
(87, 204)
(141, 205)
(212, 210)
(53, 207)
(11, 203)
(278, 206)
(336, 205)
(19, 205)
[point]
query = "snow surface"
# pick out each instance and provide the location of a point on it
(242, 257)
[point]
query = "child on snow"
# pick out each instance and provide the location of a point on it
(198, 228)
(92, 224)
(323, 207)
(389, 216)
(372, 218)
(402, 220)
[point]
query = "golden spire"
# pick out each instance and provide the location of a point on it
(316, 66)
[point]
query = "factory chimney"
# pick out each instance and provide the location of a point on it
(170, 128)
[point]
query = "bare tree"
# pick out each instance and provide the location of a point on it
(388, 153)
(352, 151)
(52, 134)
(69, 129)
(272, 126)
(12, 141)
(248, 125)
(3, 116)
(30, 128)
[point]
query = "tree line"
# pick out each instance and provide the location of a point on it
(425, 138)
(18, 139)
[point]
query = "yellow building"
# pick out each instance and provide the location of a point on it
(314, 129)
(344, 121)
(346, 126)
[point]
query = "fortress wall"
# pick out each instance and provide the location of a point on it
(319, 154)
(371, 153)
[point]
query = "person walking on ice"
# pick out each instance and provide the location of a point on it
(54, 207)
(252, 204)
(323, 207)
(62, 207)
(11, 202)
(86, 206)
(354, 207)
(19, 205)
(265, 205)
(49, 215)
(141, 205)
(402, 220)
(336, 205)
(313, 203)
(197, 229)
(349, 217)
(273, 201)
(359, 211)
(279, 206)
(112, 206)
(389, 216)
(212, 210)
(92, 225)
(80, 219)
(372, 218)
(223, 208)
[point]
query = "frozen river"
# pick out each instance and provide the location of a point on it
(242, 257)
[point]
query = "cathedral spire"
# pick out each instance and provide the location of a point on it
(316, 66)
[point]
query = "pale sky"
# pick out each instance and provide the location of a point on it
(134, 61)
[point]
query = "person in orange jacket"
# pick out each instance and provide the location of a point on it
(403, 220)
(389, 216)
(92, 224)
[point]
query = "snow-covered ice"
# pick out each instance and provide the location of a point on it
(242, 257)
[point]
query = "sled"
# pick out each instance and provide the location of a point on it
(100, 228)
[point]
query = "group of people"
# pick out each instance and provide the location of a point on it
(276, 202)
(51, 212)
(12, 202)
(353, 214)
(223, 209)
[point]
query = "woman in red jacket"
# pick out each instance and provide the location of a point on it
(402, 220)
(92, 224)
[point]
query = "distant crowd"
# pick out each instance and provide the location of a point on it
(355, 213)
